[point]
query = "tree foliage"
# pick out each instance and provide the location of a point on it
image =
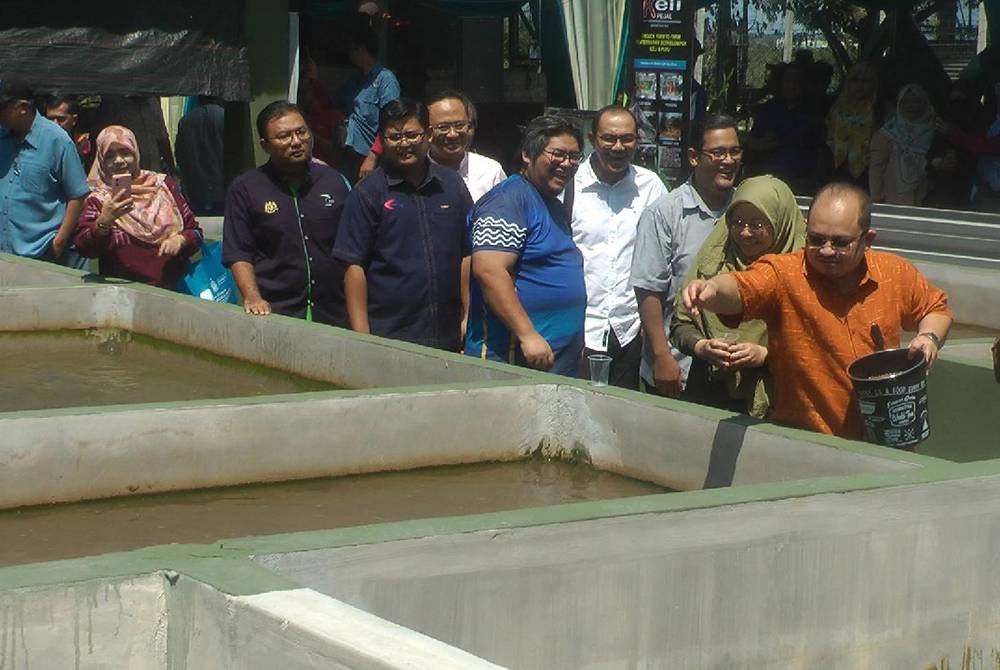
(852, 28)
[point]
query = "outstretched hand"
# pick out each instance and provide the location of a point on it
(697, 294)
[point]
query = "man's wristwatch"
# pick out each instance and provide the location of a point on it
(933, 338)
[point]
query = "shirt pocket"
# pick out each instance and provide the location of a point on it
(366, 104)
(36, 178)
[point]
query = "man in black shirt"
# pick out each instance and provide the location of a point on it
(403, 238)
(280, 224)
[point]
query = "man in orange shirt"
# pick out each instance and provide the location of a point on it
(820, 305)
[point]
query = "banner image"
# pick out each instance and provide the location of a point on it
(659, 62)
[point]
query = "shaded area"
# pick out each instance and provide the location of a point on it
(83, 529)
(46, 370)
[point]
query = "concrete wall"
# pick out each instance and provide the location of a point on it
(120, 623)
(17, 271)
(298, 629)
(68, 455)
(892, 578)
(972, 292)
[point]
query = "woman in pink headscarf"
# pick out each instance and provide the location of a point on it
(146, 233)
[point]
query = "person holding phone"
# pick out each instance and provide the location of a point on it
(135, 221)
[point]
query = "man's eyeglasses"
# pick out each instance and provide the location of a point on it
(409, 137)
(560, 156)
(612, 140)
(286, 136)
(816, 241)
(447, 127)
(720, 153)
(754, 226)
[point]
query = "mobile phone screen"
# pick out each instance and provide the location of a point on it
(121, 183)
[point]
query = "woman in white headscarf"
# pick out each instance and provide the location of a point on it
(898, 170)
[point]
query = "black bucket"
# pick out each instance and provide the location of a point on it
(891, 392)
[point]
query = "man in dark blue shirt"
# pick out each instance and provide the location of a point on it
(403, 238)
(281, 222)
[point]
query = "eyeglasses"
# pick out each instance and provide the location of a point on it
(720, 153)
(560, 156)
(612, 140)
(842, 244)
(754, 226)
(409, 137)
(286, 136)
(457, 126)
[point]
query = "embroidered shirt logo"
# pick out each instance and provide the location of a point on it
(328, 199)
(390, 204)
(445, 206)
(270, 207)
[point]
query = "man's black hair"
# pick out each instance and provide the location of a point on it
(610, 109)
(361, 34)
(399, 110)
(711, 122)
(451, 94)
(543, 128)
(274, 110)
(842, 188)
(56, 99)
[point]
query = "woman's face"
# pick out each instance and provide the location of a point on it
(119, 159)
(913, 105)
(750, 230)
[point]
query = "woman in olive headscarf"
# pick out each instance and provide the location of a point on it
(728, 368)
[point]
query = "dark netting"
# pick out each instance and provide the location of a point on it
(177, 48)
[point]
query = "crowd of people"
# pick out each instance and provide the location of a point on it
(907, 141)
(719, 291)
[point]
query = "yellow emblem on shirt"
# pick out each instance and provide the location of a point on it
(270, 207)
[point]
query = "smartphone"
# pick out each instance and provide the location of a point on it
(121, 183)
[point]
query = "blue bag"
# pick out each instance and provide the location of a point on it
(208, 278)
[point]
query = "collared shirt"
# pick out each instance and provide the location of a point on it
(815, 331)
(374, 92)
(39, 174)
(410, 241)
(605, 218)
(480, 174)
(515, 218)
(670, 234)
(288, 237)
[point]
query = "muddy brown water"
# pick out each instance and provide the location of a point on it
(82, 529)
(52, 369)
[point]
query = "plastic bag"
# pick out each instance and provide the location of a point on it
(208, 278)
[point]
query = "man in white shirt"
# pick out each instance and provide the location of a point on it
(453, 125)
(608, 196)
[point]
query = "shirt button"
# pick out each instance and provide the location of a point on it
(314, 281)
(306, 237)
(310, 259)
(302, 216)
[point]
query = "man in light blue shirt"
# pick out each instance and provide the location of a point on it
(373, 88)
(42, 183)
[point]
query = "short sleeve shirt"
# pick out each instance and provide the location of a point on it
(515, 218)
(815, 332)
(288, 238)
(376, 90)
(39, 174)
(670, 234)
(410, 241)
